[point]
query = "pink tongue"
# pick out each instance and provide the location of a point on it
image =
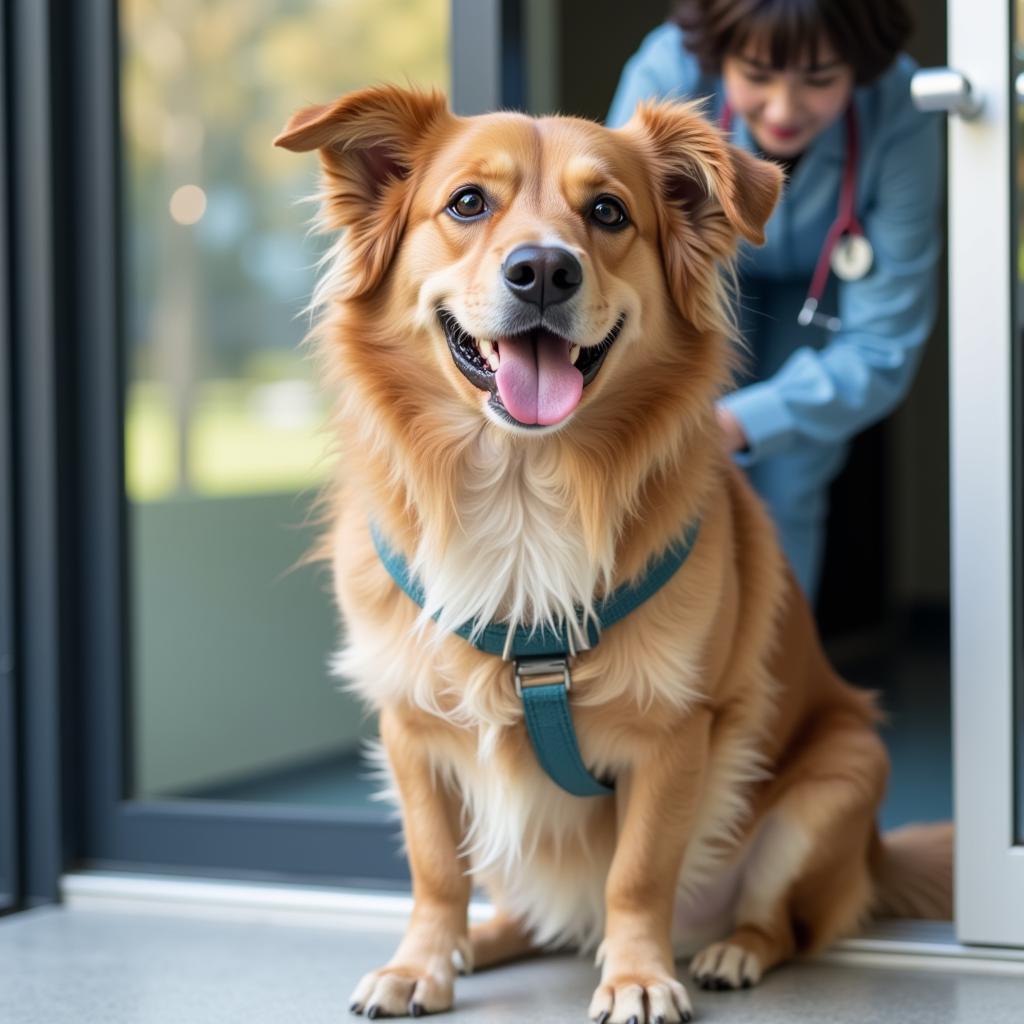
(536, 381)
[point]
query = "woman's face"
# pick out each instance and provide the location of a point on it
(786, 109)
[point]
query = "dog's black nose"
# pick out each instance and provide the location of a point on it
(543, 275)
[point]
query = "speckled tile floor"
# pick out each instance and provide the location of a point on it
(75, 966)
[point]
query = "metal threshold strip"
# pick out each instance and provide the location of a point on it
(921, 945)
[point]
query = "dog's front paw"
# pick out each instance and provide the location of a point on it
(399, 990)
(640, 998)
(726, 965)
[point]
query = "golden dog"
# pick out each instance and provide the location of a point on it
(527, 324)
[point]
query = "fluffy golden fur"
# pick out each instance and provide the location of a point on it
(747, 773)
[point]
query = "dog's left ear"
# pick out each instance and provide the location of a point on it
(370, 143)
(712, 193)
(697, 166)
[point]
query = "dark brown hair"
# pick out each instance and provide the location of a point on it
(867, 34)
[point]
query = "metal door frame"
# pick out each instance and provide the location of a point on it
(982, 266)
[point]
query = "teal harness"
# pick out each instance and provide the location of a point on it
(540, 659)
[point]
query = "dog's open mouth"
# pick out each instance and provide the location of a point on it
(535, 379)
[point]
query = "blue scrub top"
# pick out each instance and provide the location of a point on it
(806, 384)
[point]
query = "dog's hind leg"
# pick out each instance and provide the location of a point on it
(499, 940)
(808, 878)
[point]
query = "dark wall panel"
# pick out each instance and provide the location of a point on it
(9, 881)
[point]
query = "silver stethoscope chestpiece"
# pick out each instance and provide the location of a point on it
(852, 258)
(846, 251)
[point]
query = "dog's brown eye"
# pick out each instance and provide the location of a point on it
(467, 204)
(609, 212)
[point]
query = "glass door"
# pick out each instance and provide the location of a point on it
(986, 175)
(218, 741)
(238, 750)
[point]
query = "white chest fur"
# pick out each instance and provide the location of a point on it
(516, 554)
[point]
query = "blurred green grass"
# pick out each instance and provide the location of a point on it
(233, 447)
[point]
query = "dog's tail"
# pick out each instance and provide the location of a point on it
(912, 868)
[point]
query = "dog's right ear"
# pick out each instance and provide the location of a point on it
(369, 143)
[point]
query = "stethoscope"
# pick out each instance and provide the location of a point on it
(847, 251)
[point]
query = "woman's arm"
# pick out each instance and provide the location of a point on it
(866, 369)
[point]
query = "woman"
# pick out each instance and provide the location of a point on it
(822, 87)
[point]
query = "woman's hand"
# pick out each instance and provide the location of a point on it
(732, 431)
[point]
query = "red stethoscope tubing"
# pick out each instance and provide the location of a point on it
(846, 222)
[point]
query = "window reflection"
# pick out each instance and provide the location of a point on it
(224, 444)
(219, 263)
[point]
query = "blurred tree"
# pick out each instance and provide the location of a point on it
(206, 85)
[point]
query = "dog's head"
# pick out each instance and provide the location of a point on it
(538, 265)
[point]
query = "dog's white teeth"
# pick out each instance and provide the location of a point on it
(490, 353)
(574, 353)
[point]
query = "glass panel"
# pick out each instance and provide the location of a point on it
(224, 442)
(1017, 71)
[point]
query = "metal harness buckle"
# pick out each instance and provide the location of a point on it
(542, 670)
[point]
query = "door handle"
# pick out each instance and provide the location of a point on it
(947, 90)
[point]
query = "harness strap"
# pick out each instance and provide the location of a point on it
(541, 657)
(549, 723)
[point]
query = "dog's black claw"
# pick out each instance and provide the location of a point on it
(373, 1012)
(746, 983)
(356, 1008)
(687, 1017)
(660, 1019)
(633, 1020)
(417, 1010)
(603, 1019)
